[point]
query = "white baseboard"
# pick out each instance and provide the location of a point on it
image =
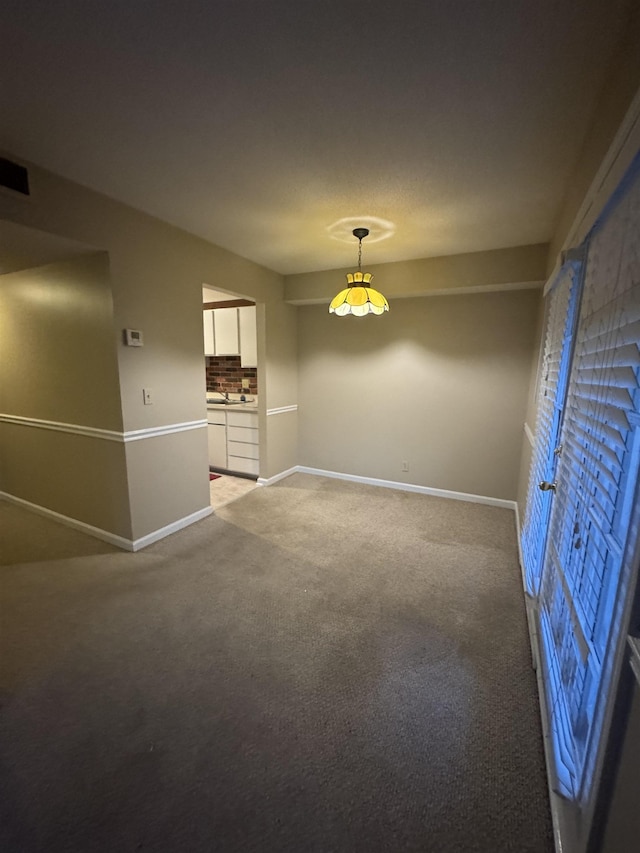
(96, 532)
(269, 481)
(105, 535)
(150, 538)
(518, 537)
(410, 487)
(390, 484)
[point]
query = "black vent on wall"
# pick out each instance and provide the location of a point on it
(14, 177)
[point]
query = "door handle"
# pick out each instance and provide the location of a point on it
(545, 486)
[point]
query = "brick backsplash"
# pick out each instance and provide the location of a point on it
(225, 373)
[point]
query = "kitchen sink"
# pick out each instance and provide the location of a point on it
(223, 402)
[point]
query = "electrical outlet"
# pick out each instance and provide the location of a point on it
(147, 396)
(405, 466)
(245, 383)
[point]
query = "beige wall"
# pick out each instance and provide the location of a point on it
(281, 450)
(157, 273)
(608, 148)
(57, 357)
(493, 269)
(58, 363)
(281, 380)
(167, 479)
(620, 88)
(77, 476)
(278, 328)
(439, 382)
(436, 463)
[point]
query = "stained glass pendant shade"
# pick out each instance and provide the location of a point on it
(358, 298)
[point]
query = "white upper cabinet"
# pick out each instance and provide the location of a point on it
(248, 336)
(231, 331)
(225, 324)
(209, 346)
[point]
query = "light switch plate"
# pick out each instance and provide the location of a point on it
(133, 338)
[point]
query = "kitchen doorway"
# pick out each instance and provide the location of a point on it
(231, 375)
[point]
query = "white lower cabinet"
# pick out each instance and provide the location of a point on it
(217, 438)
(242, 442)
(244, 466)
(246, 451)
(244, 435)
(233, 441)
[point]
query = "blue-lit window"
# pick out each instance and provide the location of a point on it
(560, 324)
(578, 553)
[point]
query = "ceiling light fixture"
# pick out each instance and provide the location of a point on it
(358, 299)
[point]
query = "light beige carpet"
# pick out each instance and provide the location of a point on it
(321, 666)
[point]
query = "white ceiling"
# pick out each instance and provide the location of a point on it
(260, 124)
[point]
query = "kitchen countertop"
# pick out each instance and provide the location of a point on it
(251, 406)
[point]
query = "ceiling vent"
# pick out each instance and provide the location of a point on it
(14, 177)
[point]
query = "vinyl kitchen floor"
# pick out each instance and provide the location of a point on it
(226, 489)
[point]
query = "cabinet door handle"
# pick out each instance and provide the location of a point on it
(545, 486)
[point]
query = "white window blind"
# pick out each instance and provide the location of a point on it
(586, 563)
(561, 313)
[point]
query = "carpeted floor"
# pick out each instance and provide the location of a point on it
(321, 666)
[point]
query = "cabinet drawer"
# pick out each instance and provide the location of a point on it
(243, 419)
(237, 448)
(215, 416)
(244, 466)
(247, 436)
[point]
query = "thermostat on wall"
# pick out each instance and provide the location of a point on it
(133, 338)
